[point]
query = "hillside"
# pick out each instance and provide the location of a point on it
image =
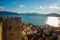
(28, 14)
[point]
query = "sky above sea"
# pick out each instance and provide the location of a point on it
(30, 6)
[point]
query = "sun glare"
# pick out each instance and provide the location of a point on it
(52, 21)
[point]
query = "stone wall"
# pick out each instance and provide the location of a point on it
(11, 28)
(0, 30)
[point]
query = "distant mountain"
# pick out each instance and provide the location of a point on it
(28, 14)
(32, 14)
(25, 14)
(7, 13)
(53, 14)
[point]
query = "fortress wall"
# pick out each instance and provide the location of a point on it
(0, 30)
(11, 28)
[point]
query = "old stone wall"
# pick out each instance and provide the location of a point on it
(11, 28)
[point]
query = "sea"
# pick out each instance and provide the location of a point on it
(35, 20)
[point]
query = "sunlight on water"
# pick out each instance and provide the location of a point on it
(53, 21)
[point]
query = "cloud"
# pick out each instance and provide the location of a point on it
(1, 7)
(40, 7)
(8, 10)
(49, 7)
(54, 7)
(22, 6)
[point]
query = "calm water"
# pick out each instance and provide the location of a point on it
(36, 20)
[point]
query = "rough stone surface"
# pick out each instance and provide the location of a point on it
(11, 28)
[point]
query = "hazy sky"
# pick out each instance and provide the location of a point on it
(30, 6)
